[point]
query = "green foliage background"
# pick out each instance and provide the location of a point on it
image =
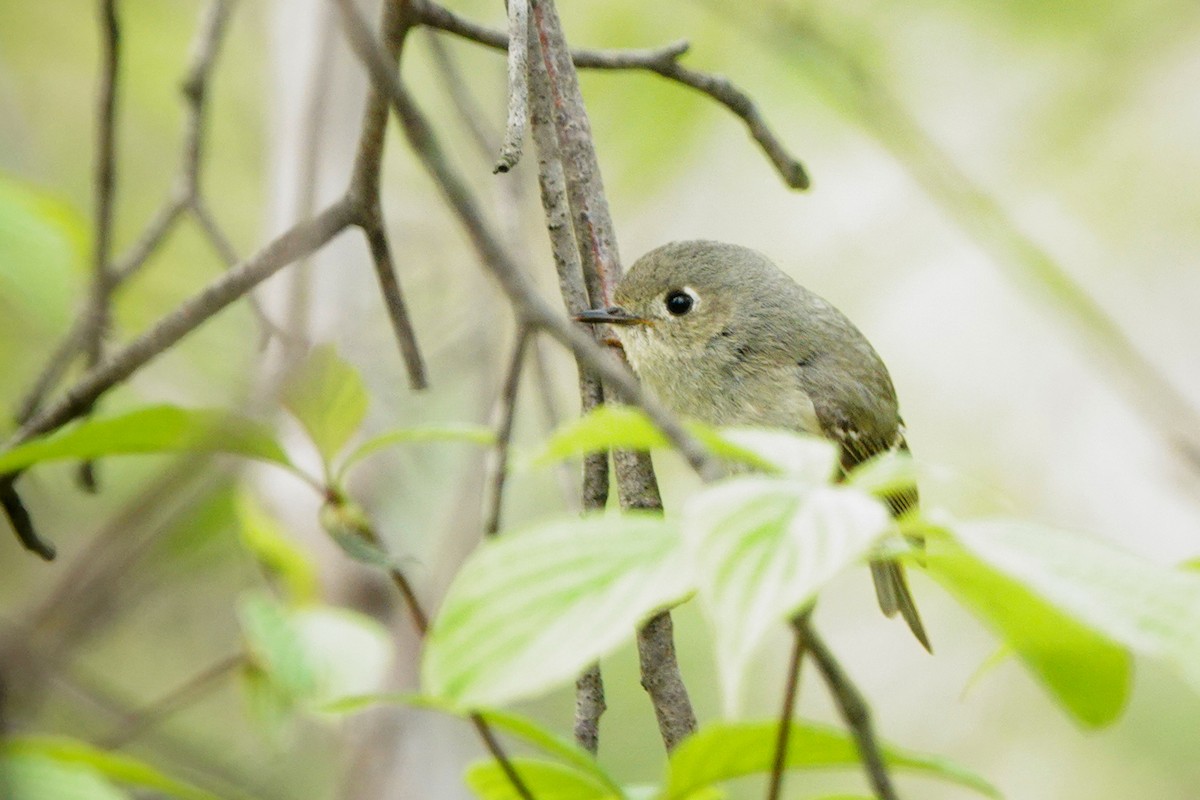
(1077, 119)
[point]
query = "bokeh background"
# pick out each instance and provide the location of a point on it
(985, 176)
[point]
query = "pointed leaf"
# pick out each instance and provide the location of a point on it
(33, 776)
(809, 459)
(545, 780)
(156, 429)
(43, 243)
(114, 766)
(1084, 669)
(724, 750)
(762, 549)
(1152, 609)
(523, 728)
(469, 434)
(531, 610)
(276, 649)
(614, 426)
(328, 398)
(263, 536)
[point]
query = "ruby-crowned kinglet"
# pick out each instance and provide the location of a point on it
(720, 334)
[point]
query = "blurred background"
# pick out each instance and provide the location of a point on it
(1004, 200)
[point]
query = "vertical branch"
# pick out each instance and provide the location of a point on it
(854, 711)
(505, 412)
(365, 191)
(99, 310)
(518, 85)
(778, 764)
(589, 688)
(595, 240)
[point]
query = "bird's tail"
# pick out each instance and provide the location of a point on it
(891, 588)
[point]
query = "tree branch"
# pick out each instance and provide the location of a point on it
(791, 689)
(661, 61)
(505, 411)
(518, 84)
(853, 708)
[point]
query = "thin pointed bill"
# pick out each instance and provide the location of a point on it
(613, 315)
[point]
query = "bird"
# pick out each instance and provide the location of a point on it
(720, 334)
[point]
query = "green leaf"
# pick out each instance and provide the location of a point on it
(605, 427)
(469, 434)
(32, 776)
(277, 650)
(43, 245)
(263, 536)
(114, 766)
(348, 526)
(1151, 609)
(724, 750)
(523, 728)
(546, 780)
(762, 548)
(156, 429)
(613, 426)
(328, 398)
(799, 456)
(1084, 670)
(349, 653)
(531, 610)
(890, 472)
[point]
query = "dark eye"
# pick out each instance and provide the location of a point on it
(679, 302)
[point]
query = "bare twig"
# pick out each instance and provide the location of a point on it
(853, 709)
(661, 61)
(663, 682)
(505, 411)
(187, 693)
(105, 183)
(518, 84)
(791, 688)
(364, 189)
(99, 308)
(589, 707)
(469, 111)
(22, 523)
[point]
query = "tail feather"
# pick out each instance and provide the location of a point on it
(891, 589)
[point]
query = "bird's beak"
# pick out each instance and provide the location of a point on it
(614, 315)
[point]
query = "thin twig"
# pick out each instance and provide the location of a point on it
(393, 298)
(364, 189)
(791, 689)
(505, 412)
(469, 111)
(589, 707)
(22, 523)
(661, 61)
(663, 681)
(99, 309)
(518, 85)
(187, 693)
(854, 711)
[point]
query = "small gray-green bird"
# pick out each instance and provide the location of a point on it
(720, 334)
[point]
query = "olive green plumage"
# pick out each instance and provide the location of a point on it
(720, 334)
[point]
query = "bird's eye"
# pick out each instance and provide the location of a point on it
(680, 302)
